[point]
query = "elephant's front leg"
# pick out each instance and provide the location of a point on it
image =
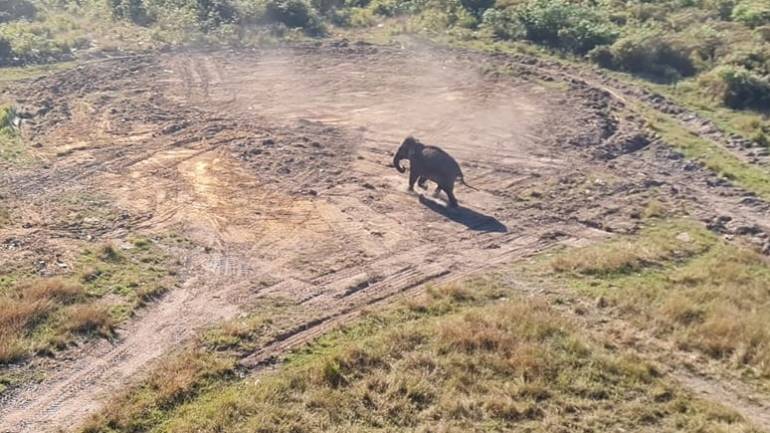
(412, 179)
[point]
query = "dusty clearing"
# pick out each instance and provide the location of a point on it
(275, 165)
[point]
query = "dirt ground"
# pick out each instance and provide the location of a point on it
(275, 164)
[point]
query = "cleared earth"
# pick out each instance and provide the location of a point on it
(275, 165)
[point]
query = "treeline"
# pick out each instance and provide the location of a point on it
(725, 44)
(722, 45)
(208, 15)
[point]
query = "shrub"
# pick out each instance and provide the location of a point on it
(6, 52)
(602, 56)
(7, 114)
(132, 10)
(763, 33)
(326, 6)
(566, 25)
(755, 59)
(11, 10)
(753, 13)
(722, 8)
(208, 14)
(294, 14)
(391, 8)
(502, 24)
(477, 7)
(650, 51)
(737, 87)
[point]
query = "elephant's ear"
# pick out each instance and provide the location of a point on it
(412, 152)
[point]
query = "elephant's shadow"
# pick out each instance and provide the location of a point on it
(468, 217)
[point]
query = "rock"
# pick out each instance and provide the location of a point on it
(683, 237)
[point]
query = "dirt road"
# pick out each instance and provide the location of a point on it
(275, 165)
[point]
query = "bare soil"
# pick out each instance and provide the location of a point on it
(275, 164)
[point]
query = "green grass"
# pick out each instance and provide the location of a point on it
(467, 357)
(718, 159)
(684, 283)
(40, 315)
(206, 364)
(748, 124)
(11, 146)
(9, 75)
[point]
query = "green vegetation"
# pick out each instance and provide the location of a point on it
(720, 160)
(468, 357)
(38, 315)
(11, 146)
(207, 364)
(683, 282)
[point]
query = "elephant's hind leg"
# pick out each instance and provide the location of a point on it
(450, 193)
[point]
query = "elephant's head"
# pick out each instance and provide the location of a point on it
(407, 150)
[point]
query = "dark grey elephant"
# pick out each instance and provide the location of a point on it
(429, 163)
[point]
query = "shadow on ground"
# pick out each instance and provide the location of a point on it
(468, 217)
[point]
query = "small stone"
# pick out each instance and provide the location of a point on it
(683, 237)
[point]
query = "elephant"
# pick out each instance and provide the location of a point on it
(429, 163)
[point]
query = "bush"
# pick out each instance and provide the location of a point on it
(132, 10)
(738, 87)
(208, 14)
(477, 7)
(324, 7)
(763, 33)
(6, 52)
(566, 25)
(753, 13)
(11, 10)
(650, 51)
(294, 14)
(502, 24)
(722, 8)
(390, 8)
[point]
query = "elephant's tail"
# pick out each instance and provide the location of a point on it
(462, 179)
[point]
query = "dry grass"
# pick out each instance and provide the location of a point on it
(171, 382)
(17, 317)
(656, 245)
(464, 360)
(706, 294)
(89, 319)
(53, 289)
(38, 315)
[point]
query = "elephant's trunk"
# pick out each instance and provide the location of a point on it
(397, 162)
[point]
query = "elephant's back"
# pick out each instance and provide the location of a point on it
(444, 159)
